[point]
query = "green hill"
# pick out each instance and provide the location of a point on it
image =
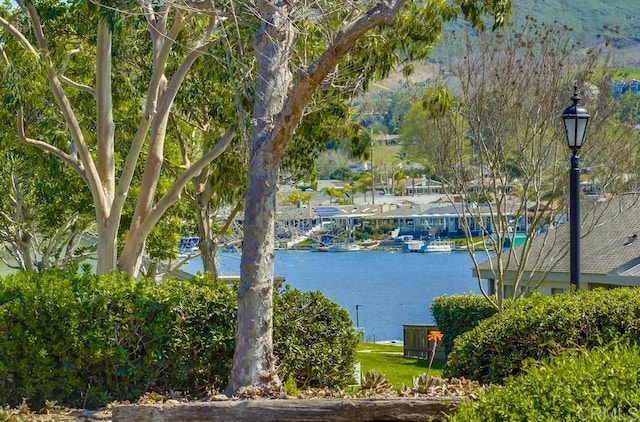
(616, 20)
(590, 20)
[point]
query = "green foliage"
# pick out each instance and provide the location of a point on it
(342, 173)
(455, 315)
(370, 232)
(599, 384)
(297, 196)
(314, 340)
(290, 386)
(541, 326)
(84, 340)
(625, 74)
(437, 101)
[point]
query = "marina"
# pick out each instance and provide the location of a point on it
(381, 290)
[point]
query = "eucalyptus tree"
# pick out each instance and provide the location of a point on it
(45, 216)
(216, 194)
(355, 43)
(493, 137)
(178, 34)
(300, 50)
(45, 220)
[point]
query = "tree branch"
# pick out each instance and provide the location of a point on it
(63, 78)
(18, 35)
(89, 173)
(158, 129)
(104, 108)
(174, 192)
(3, 54)
(44, 146)
(161, 55)
(308, 80)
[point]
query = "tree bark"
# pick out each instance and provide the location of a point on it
(207, 245)
(254, 361)
(279, 104)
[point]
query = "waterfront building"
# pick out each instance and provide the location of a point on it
(610, 252)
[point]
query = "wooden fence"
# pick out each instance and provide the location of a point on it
(416, 344)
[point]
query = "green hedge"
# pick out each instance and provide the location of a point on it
(602, 384)
(314, 340)
(455, 315)
(541, 326)
(84, 340)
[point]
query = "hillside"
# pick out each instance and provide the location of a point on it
(590, 20)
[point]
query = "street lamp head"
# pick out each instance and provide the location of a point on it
(575, 119)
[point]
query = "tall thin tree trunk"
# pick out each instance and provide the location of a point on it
(208, 245)
(254, 360)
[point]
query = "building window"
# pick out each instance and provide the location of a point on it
(558, 291)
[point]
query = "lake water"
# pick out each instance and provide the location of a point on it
(381, 290)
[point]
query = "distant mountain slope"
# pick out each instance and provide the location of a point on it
(590, 20)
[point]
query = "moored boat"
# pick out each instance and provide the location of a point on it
(351, 247)
(439, 245)
(188, 244)
(413, 246)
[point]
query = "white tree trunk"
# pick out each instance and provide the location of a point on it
(107, 251)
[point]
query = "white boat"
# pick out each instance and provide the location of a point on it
(188, 244)
(351, 247)
(439, 245)
(413, 246)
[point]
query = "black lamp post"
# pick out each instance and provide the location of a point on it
(575, 119)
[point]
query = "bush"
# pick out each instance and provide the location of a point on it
(540, 326)
(84, 340)
(455, 315)
(314, 340)
(601, 384)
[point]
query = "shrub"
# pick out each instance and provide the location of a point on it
(314, 340)
(455, 315)
(84, 340)
(540, 326)
(598, 384)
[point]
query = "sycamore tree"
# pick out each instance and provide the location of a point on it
(492, 133)
(353, 43)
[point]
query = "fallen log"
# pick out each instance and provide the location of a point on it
(299, 410)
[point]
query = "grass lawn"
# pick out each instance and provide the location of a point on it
(389, 360)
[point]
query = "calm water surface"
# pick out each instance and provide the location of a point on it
(390, 288)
